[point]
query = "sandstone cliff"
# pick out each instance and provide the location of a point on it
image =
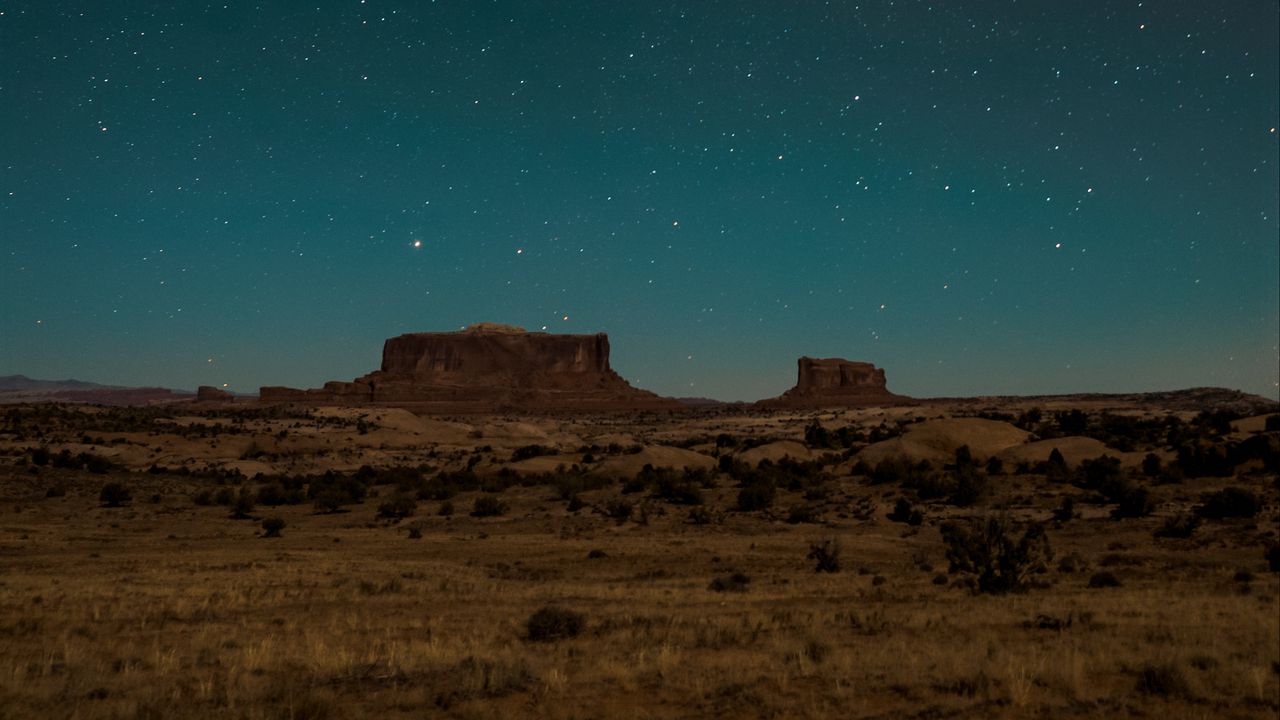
(834, 382)
(486, 367)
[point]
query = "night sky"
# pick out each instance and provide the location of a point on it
(981, 197)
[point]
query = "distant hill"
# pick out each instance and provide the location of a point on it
(1190, 399)
(22, 389)
(22, 382)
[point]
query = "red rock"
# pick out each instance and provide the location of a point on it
(487, 367)
(208, 393)
(835, 381)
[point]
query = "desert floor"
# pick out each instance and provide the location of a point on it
(667, 597)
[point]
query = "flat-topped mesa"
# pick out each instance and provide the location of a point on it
(487, 367)
(835, 381)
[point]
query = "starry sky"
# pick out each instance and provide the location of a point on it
(999, 197)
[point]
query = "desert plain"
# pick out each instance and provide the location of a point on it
(1079, 557)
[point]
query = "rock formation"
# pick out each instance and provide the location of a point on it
(486, 367)
(208, 393)
(835, 381)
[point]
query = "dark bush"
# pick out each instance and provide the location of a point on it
(1066, 511)
(553, 623)
(904, 512)
(242, 506)
(991, 549)
(531, 451)
(1163, 680)
(757, 495)
(1272, 554)
(826, 554)
(1151, 465)
(700, 516)
(1103, 579)
(275, 494)
(1178, 526)
(803, 514)
(40, 456)
(337, 488)
(971, 488)
(736, 582)
(1232, 502)
(113, 494)
(445, 509)
(681, 490)
(1134, 502)
(272, 526)
(398, 507)
(816, 436)
(619, 509)
(488, 506)
(1055, 469)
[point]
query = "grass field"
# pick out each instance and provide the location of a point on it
(163, 608)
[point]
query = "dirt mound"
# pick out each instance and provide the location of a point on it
(938, 440)
(657, 456)
(776, 451)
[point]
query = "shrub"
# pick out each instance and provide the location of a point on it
(736, 582)
(1151, 465)
(553, 623)
(1134, 502)
(1178, 526)
(488, 506)
(803, 514)
(40, 456)
(757, 495)
(113, 494)
(96, 463)
(531, 451)
(272, 526)
(1272, 554)
(329, 501)
(1103, 579)
(1066, 511)
(826, 554)
(816, 436)
(446, 509)
(1055, 470)
(398, 507)
(1232, 502)
(1163, 680)
(700, 516)
(682, 490)
(903, 512)
(243, 505)
(988, 548)
(971, 488)
(619, 510)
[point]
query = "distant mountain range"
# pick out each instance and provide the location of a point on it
(22, 389)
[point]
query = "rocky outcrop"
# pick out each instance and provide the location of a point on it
(486, 367)
(208, 393)
(834, 382)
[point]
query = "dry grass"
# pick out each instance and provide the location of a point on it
(164, 609)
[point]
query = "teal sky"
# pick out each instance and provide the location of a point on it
(981, 198)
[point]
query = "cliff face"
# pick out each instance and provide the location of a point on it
(484, 368)
(834, 375)
(835, 381)
(464, 357)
